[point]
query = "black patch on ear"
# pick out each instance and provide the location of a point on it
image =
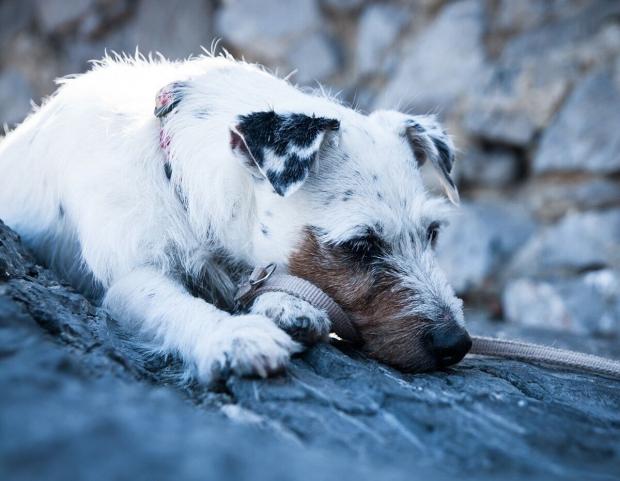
(282, 146)
(446, 159)
(168, 98)
(429, 141)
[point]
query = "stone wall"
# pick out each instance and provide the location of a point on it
(529, 88)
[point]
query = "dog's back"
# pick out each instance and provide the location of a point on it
(79, 147)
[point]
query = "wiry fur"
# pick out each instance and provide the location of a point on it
(160, 215)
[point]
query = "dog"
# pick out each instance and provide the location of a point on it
(156, 186)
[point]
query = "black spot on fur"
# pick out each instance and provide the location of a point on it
(379, 196)
(416, 126)
(168, 170)
(348, 193)
(61, 211)
(202, 114)
(264, 229)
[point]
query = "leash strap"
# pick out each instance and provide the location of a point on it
(525, 351)
(264, 279)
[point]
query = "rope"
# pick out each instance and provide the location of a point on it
(524, 351)
(263, 280)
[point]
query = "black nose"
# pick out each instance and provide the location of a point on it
(449, 344)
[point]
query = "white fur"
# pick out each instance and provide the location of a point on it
(92, 150)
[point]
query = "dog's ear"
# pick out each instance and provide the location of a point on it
(429, 141)
(168, 98)
(280, 147)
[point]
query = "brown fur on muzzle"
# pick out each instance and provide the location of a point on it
(371, 295)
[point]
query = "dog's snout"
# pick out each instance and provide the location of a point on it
(449, 344)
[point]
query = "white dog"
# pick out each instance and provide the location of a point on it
(161, 214)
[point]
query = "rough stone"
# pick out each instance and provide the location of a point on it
(491, 168)
(176, 28)
(14, 18)
(186, 27)
(79, 402)
(456, 65)
(553, 198)
(15, 96)
(514, 17)
(344, 5)
(577, 243)
(56, 15)
(314, 58)
(264, 30)
(584, 135)
(379, 27)
(479, 240)
(534, 73)
(589, 304)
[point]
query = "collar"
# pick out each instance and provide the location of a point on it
(264, 279)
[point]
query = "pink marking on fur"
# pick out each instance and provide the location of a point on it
(163, 98)
(164, 142)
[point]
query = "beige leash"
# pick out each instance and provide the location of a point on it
(525, 351)
(264, 280)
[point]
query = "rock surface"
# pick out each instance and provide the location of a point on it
(573, 142)
(578, 243)
(457, 66)
(79, 403)
(588, 304)
(479, 240)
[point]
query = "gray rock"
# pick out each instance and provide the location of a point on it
(176, 28)
(578, 242)
(480, 239)
(314, 57)
(56, 15)
(552, 198)
(435, 68)
(514, 16)
(263, 30)
(589, 304)
(584, 135)
(379, 27)
(535, 72)
(15, 96)
(82, 402)
(344, 5)
(14, 17)
(494, 168)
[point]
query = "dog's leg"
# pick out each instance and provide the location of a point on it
(210, 339)
(301, 320)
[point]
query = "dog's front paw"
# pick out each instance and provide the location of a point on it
(245, 345)
(304, 322)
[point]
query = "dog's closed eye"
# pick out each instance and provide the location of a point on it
(364, 248)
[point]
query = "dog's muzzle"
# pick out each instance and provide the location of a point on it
(265, 279)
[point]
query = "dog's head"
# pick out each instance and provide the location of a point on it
(339, 198)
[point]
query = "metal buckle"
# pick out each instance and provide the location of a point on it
(247, 288)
